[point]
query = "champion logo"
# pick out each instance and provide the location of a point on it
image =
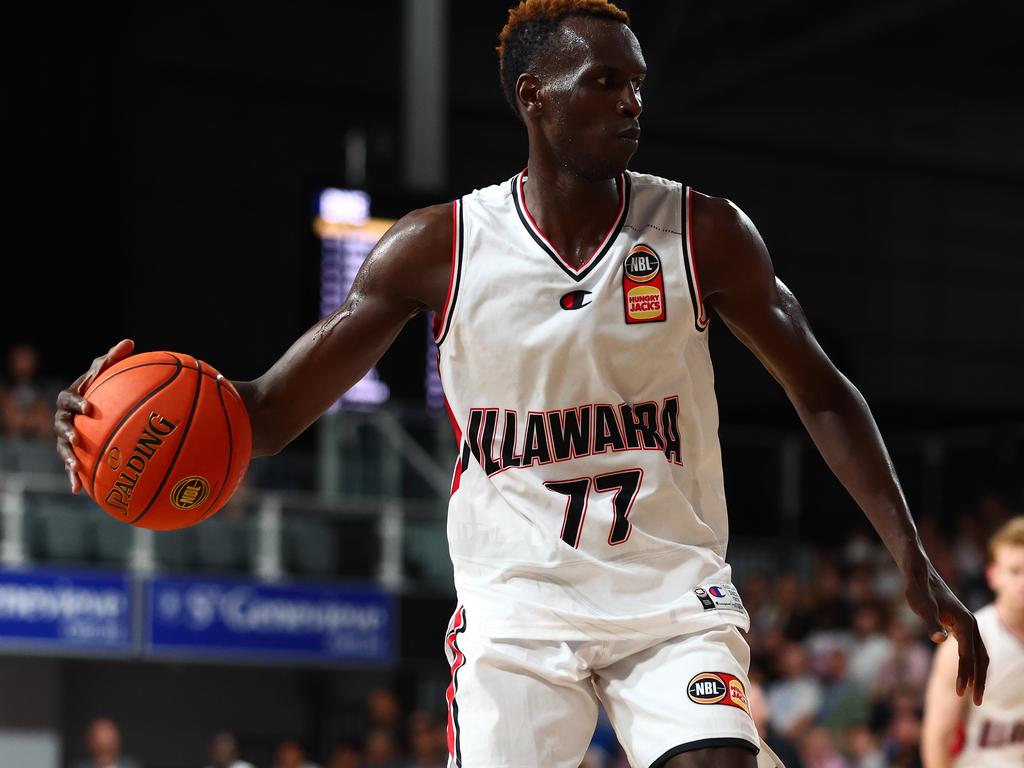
(716, 591)
(574, 300)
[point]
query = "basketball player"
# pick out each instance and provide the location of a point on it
(992, 735)
(587, 522)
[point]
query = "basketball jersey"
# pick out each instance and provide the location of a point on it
(994, 732)
(587, 499)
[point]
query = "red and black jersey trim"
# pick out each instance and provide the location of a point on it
(443, 321)
(584, 269)
(458, 660)
(700, 317)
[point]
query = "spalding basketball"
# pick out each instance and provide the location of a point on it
(166, 442)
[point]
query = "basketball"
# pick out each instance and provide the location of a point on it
(166, 443)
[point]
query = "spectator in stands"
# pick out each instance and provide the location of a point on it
(864, 749)
(844, 704)
(902, 744)
(24, 405)
(906, 667)
(381, 750)
(788, 610)
(761, 711)
(818, 751)
(427, 741)
(830, 610)
(103, 743)
(871, 647)
(290, 754)
(345, 756)
(860, 585)
(224, 751)
(969, 555)
(383, 710)
(796, 697)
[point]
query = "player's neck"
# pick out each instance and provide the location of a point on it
(1013, 621)
(573, 212)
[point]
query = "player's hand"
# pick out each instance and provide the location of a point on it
(70, 403)
(932, 600)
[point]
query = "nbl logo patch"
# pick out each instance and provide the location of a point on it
(718, 688)
(643, 287)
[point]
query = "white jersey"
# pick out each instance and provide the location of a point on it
(994, 732)
(588, 499)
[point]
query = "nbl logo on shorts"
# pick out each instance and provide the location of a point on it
(706, 688)
(718, 688)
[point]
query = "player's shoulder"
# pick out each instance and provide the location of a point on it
(717, 216)
(421, 239)
(494, 196)
(643, 182)
(712, 216)
(431, 220)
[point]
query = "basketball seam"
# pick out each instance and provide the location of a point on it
(91, 392)
(113, 433)
(181, 444)
(231, 449)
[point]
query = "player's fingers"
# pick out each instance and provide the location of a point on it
(936, 630)
(120, 351)
(981, 666)
(70, 464)
(66, 454)
(76, 484)
(113, 355)
(70, 400)
(63, 428)
(965, 664)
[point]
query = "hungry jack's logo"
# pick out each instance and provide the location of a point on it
(643, 286)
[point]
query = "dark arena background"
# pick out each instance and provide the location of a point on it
(205, 178)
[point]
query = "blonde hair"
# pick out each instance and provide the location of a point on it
(1010, 534)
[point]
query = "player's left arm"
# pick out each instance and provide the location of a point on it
(739, 283)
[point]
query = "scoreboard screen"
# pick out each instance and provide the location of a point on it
(347, 234)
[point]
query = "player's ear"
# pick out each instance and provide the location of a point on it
(528, 95)
(991, 576)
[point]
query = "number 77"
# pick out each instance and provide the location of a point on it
(626, 484)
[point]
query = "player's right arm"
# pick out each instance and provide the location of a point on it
(406, 273)
(944, 711)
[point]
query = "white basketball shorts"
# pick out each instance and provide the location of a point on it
(534, 703)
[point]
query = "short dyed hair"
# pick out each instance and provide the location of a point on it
(1011, 534)
(531, 26)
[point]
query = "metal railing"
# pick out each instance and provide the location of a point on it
(377, 511)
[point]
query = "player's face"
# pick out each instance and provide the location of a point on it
(592, 98)
(1006, 576)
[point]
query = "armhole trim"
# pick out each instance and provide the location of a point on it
(443, 321)
(700, 317)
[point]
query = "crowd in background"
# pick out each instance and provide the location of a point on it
(838, 667)
(388, 738)
(26, 410)
(838, 661)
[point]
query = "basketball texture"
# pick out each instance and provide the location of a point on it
(166, 443)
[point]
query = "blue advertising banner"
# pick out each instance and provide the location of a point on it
(229, 619)
(66, 611)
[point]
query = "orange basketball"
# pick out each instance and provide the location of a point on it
(166, 442)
